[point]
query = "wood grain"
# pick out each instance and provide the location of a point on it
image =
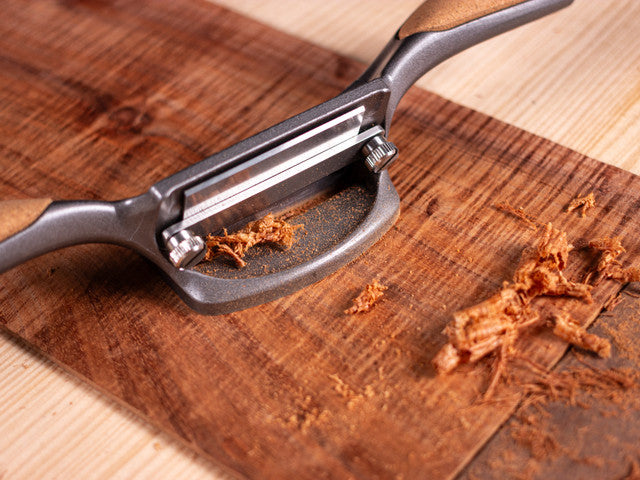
(436, 15)
(571, 77)
(597, 441)
(93, 272)
(15, 215)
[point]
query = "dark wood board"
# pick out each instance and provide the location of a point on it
(598, 438)
(101, 99)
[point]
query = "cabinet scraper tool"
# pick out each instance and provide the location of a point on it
(340, 143)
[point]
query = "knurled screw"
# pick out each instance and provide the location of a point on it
(380, 153)
(185, 249)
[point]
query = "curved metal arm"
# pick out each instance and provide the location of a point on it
(404, 61)
(67, 223)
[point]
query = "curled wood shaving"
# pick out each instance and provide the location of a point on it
(519, 212)
(496, 322)
(534, 278)
(540, 270)
(266, 230)
(608, 265)
(367, 298)
(570, 331)
(583, 203)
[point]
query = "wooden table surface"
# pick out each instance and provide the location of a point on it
(573, 78)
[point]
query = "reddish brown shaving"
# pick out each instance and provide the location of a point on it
(570, 331)
(367, 298)
(265, 230)
(540, 270)
(495, 323)
(584, 203)
(479, 330)
(519, 212)
(608, 265)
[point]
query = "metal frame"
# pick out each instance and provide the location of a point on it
(138, 222)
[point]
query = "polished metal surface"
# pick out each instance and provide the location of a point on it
(272, 175)
(265, 168)
(186, 249)
(380, 153)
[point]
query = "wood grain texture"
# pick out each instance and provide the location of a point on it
(597, 441)
(437, 15)
(169, 464)
(15, 215)
(571, 77)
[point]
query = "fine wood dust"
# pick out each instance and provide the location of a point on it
(580, 385)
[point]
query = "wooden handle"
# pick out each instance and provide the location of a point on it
(15, 215)
(438, 15)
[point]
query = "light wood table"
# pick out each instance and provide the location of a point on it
(573, 77)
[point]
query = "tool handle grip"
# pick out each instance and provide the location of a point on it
(439, 15)
(29, 228)
(439, 29)
(15, 215)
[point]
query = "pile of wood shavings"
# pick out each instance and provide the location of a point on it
(266, 230)
(494, 325)
(583, 203)
(367, 298)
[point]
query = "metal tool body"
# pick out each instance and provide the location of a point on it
(265, 172)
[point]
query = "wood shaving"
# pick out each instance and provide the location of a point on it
(612, 303)
(608, 265)
(367, 298)
(266, 230)
(519, 212)
(496, 322)
(540, 270)
(570, 331)
(583, 203)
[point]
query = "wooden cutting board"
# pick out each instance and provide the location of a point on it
(102, 99)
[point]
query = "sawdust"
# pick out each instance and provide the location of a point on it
(367, 298)
(529, 220)
(496, 323)
(266, 230)
(575, 386)
(583, 203)
(351, 396)
(307, 414)
(581, 385)
(540, 443)
(624, 338)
